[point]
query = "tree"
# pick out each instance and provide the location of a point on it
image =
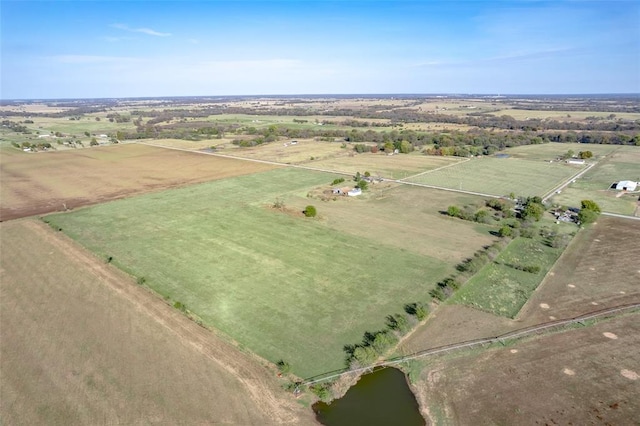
(363, 185)
(453, 211)
(590, 205)
(310, 211)
(585, 154)
(533, 211)
(505, 231)
(589, 212)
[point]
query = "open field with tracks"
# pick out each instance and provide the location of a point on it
(83, 344)
(501, 176)
(36, 183)
(592, 374)
(282, 285)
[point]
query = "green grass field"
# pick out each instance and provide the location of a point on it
(502, 289)
(283, 286)
(501, 176)
(623, 164)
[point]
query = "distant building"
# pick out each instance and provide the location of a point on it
(354, 192)
(575, 161)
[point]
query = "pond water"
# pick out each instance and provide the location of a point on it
(379, 398)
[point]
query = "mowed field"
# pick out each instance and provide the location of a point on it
(36, 183)
(622, 164)
(500, 176)
(83, 344)
(552, 150)
(284, 286)
(587, 375)
(388, 166)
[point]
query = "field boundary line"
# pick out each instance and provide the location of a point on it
(436, 169)
(567, 182)
(514, 334)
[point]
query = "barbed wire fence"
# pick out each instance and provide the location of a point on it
(503, 338)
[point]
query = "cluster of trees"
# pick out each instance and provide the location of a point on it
(445, 288)
(498, 209)
(589, 211)
(376, 344)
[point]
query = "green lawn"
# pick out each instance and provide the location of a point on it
(552, 150)
(501, 176)
(281, 285)
(502, 289)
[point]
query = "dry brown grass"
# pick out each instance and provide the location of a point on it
(83, 344)
(48, 181)
(598, 270)
(573, 377)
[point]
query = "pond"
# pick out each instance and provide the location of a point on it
(379, 398)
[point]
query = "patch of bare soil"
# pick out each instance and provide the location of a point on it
(83, 344)
(574, 377)
(45, 182)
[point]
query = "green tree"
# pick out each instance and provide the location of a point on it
(589, 212)
(533, 211)
(363, 185)
(585, 154)
(310, 211)
(590, 205)
(453, 211)
(405, 147)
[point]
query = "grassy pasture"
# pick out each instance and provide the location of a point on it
(501, 289)
(623, 164)
(551, 151)
(389, 166)
(281, 285)
(82, 344)
(500, 176)
(293, 154)
(406, 217)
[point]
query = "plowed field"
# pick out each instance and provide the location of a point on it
(36, 183)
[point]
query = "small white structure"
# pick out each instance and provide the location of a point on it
(626, 185)
(354, 192)
(575, 161)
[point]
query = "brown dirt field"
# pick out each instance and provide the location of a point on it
(43, 182)
(598, 270)
(574, 377)
(83, 344)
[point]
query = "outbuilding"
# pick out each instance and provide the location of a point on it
(625, 185)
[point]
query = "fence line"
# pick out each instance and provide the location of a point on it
(478, 342)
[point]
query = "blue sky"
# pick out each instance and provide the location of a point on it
(84, 49)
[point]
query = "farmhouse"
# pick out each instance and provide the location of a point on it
(625, 185)
(354, 192)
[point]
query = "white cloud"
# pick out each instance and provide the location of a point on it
(147, 31)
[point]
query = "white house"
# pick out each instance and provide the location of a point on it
(354, 192)
(575, 161)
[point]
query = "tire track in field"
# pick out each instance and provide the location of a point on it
(220, 351)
